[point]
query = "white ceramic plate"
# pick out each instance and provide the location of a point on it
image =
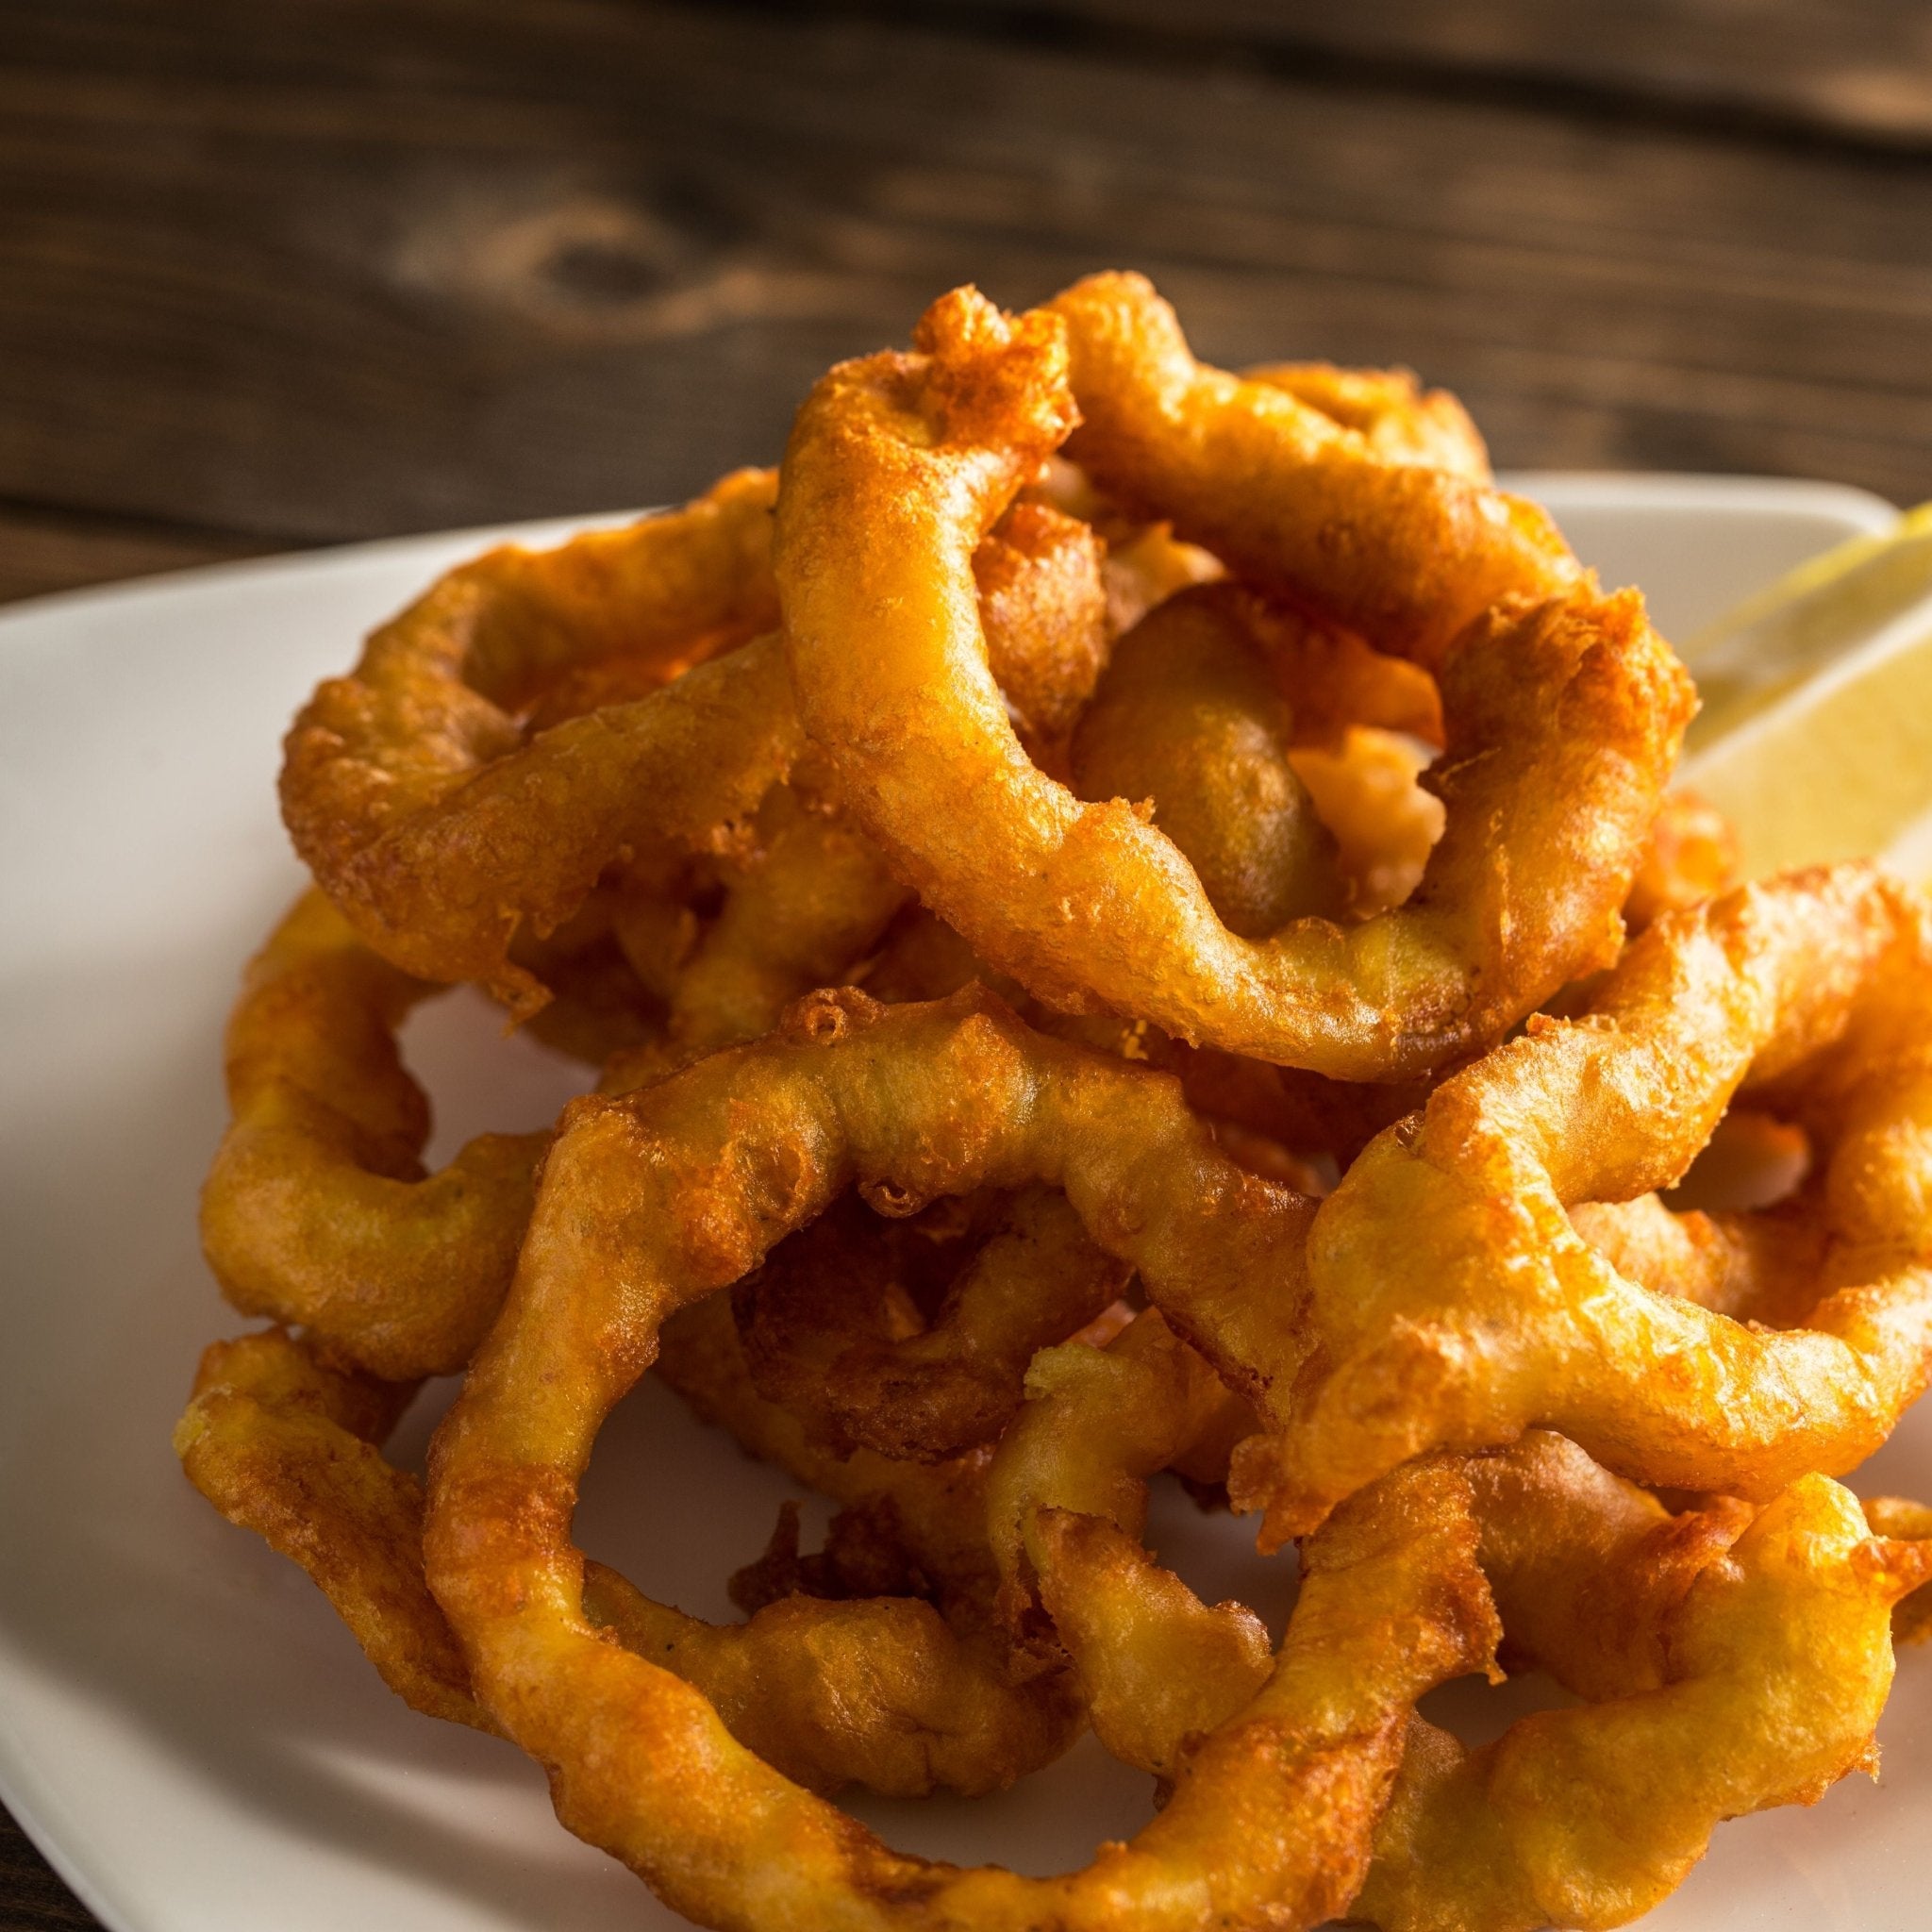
(184, 1727)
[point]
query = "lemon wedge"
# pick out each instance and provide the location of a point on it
(1815, 739)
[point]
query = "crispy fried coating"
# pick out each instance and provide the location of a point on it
(1693, 855)
(290, 1447)
(1044, 607)
(1286, 1119)
(1761, 1266)
(1453, 1303)
(879, 1692)
(655, 1201)
(1562, 714)
(1240, 805)
(1384, 822)
(1067, 1503)
(1404, 554)
(806, 903)
(932, 1514)
(444, 828)
(1399, 420)
(317, 1209)
(1188, 720)
(409, 786)
(916, 1347)
(1733, 1659)
(1905, 1520)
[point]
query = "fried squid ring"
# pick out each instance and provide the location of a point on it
(875, 1691)
(813, 896)
(1399, 420)
(441, 830)
(407, 786)
(800, 910)
(317, 1209)
(1404, 554)
(1224, 712)
(1562, 718)
(839, 1328)
(290, 1447)
(1452, 1303)
(1067, 1506)
(655, 1201)
(1733, 1659)
(1048, 598)
(1188, 719)
(1732, 1664)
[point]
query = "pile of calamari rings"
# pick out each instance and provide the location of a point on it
(1128, 920)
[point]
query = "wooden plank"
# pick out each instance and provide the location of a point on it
(1855, 69)
(39, 552)
(351, 268)
(32, 1899)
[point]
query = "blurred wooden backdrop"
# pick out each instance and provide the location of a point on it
(329, 269)
(277, 275)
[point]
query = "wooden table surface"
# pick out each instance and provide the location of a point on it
(274, 277)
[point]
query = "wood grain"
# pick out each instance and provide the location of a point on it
(1854, 71)
(41, 550)
(32, 1899)
(357, 268)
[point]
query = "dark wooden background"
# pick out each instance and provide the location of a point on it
(287, 275)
